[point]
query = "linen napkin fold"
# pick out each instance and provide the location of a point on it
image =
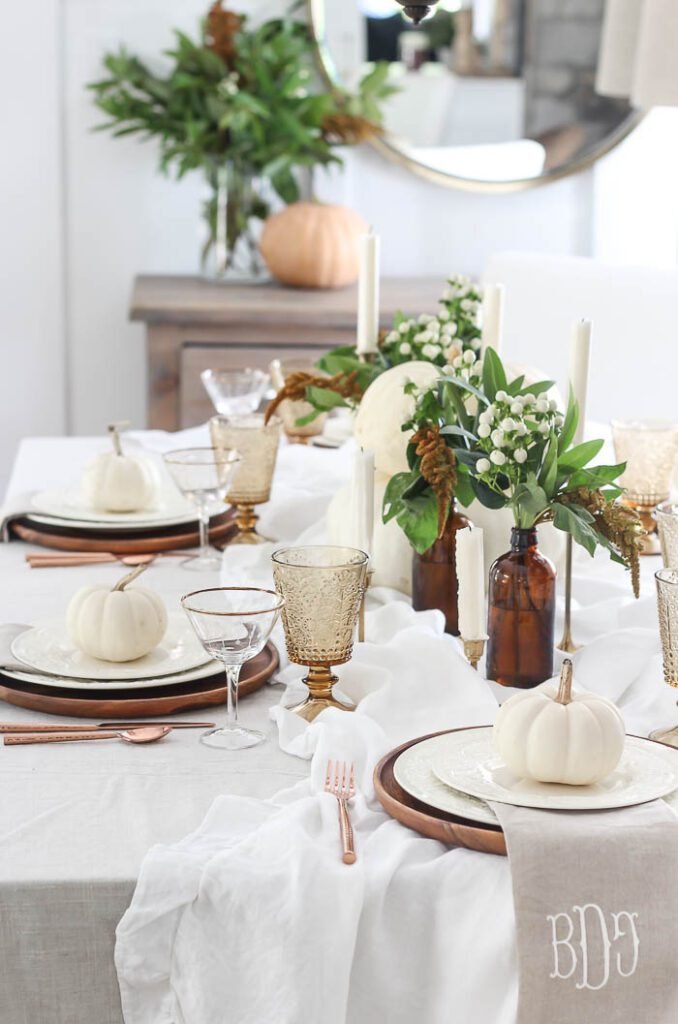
(596, 908)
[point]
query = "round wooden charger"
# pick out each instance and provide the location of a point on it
(153, 702)
(446, 828)
(117, 542)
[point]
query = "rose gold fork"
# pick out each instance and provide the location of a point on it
(340, 782)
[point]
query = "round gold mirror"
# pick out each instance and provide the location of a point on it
(492, 95)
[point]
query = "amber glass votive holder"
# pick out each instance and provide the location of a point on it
(322, 586)
(649, 449)
(257, 445)
(667, 610)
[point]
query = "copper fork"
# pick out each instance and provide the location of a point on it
(340, 782)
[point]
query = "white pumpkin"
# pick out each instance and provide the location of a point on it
(554, 735)
(384, 408)
(116, 624)
(116, 482)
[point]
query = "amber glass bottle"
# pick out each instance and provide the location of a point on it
(521, 611)
(434, 574)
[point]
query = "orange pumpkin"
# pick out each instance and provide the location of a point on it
(313, 245)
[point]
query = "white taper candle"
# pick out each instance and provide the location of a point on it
(368, 295)
(580, 355)
(471, 578)
(493, 315)
(361, 516)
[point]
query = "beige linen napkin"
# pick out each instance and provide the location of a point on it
(596, 904)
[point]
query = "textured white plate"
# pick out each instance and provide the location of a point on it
(468, 762)
(64, 683)
(70, 505)
(48, 647)
(413, 771)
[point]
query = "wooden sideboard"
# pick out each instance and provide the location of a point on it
(192, 324)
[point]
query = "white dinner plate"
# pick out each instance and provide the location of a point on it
(48, 647)
(211, 668)
(468, 762)
(55, 506)
(413, 770)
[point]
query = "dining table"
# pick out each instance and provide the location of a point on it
(78, 819)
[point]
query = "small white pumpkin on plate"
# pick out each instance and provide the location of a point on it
(116, 482)
(554, 735)
(117, 624)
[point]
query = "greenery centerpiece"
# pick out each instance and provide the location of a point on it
(242, 106)
(442, 339)
(478, 435)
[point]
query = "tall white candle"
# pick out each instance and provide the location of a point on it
(471, 577)
(361, 516)
(368, 295)
(493, 316)
(580, 355)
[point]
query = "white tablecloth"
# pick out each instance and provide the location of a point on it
(76, 822)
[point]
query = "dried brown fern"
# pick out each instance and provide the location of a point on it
(221, 29)
(348, 129)
(617, 523)
(438, 468)
(294, 388)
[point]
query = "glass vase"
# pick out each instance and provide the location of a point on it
(521, 603)
(434, 574)
(232, 214)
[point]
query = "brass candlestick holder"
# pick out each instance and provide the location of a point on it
(474, 650)
(323, 587)
(361, 613)
(257, 444)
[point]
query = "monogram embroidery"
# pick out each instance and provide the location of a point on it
(585, 945)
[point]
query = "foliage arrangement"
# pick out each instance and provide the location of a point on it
(446, 340)
(242, 96)
(479, 435)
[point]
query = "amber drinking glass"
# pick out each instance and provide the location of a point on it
(667, 525)
(290, 412)
(322, 587)
(667, 608)
(434, 574)
(649, 449)
(257, 446)
(522, 601)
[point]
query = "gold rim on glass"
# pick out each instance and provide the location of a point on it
(217, 456)
(232, 590)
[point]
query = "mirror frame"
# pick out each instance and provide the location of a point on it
(314, 14)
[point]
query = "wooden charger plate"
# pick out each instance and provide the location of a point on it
(117, 542)
(153, 702)
(446, 828)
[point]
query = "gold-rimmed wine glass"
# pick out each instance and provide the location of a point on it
(233, 624)
(323, 586)
(257, 444)
(203, 475)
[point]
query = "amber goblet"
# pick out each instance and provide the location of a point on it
(257, 445)
(322, 587)
(649, 449)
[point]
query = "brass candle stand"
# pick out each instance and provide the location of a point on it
(361, 613)
(473, 651)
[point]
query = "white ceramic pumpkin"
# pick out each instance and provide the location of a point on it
(116, 482)
(116, 624)
(554, 735)
(384, 408)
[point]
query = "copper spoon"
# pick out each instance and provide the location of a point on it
(142, 734)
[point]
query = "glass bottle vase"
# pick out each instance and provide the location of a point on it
(434, 574)
(232, 213)
(521, 613)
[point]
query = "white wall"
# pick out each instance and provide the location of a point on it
(84, 213)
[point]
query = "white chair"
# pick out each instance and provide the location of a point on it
(634, 363)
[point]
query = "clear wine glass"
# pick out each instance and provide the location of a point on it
(233, 625)
(235, 392)
(203, 475)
